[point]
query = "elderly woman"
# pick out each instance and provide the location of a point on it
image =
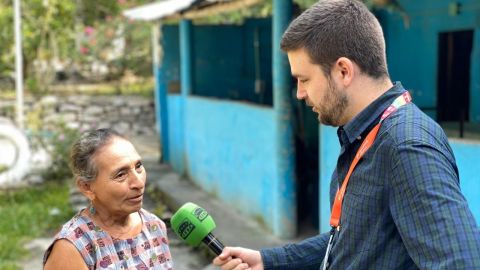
(114, 232)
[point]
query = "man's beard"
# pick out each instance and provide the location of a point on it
(332, 106)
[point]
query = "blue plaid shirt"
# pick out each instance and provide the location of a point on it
(403, 208)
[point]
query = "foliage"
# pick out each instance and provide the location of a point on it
(3, 168)
(105, 42)
(261, 10)
(29, 213)
(143, 88)
(264, 9)
(53, 33)
(93, 10)
(6, 39)
(157, 198)
(59, 143)
(56, 138)
(305, 3)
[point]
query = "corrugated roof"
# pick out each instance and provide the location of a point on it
(158, 10)
(185, 8)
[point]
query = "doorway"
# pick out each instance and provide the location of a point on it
(454, 57)
(307, 173)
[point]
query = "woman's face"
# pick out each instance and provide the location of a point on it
(120, 183)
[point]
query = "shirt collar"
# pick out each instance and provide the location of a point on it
(371, 114)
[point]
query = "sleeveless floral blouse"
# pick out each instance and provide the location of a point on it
(148, 250)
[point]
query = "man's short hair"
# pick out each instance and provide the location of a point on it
(331, 29)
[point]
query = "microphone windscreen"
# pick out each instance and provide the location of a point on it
(192, 223)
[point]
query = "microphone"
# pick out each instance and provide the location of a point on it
(194, 225)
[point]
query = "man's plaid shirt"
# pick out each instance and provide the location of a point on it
(403, 208)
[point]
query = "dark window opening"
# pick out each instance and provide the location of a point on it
(234, 62)
(453, 97)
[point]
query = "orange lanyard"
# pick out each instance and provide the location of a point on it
(405, 98)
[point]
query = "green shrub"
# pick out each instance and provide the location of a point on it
(58, 141)
(3, 168)
(29, 213)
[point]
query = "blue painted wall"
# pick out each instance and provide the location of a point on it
(467, 155)
(167, 76)
(329, 151)
(227, 147)
(176, 147)
(231, 153)
(412, 51)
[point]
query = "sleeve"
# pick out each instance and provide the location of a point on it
(307, 254)
(428, 208)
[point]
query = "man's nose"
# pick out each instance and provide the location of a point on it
(301, 93)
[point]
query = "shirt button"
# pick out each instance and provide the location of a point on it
(359, 137)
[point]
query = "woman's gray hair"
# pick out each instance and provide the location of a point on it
(83, 152)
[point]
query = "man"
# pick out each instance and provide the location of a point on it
(400, 207)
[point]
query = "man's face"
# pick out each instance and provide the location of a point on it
(319, 91)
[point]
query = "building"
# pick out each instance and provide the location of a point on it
(229, 121)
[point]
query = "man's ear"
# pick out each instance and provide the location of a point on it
(344, 71)
(85, 188)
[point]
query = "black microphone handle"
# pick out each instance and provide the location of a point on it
(213, 243)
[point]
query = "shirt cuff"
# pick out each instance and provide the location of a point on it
(273, 257)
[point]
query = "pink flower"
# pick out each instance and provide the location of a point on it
(61, 137)
(89, 30)
(84, 50)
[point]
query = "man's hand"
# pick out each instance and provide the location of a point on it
(236, 258)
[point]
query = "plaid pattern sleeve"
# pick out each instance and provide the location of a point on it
(304, 255)
(403, 208)
(430, 213)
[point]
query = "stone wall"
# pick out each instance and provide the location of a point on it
(129, 115)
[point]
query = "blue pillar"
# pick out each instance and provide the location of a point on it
(186, 82)
(285, 211)
(186, 78)
(475, 79)
(160, 94)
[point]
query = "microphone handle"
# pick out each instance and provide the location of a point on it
(213, 243)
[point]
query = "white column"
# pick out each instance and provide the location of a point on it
(18, 65)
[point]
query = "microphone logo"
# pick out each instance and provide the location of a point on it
(185, 228)
(200, 213)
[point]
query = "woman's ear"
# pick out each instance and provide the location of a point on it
(344, 69)
(85, 188)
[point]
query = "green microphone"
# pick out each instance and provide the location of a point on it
(194, 225)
